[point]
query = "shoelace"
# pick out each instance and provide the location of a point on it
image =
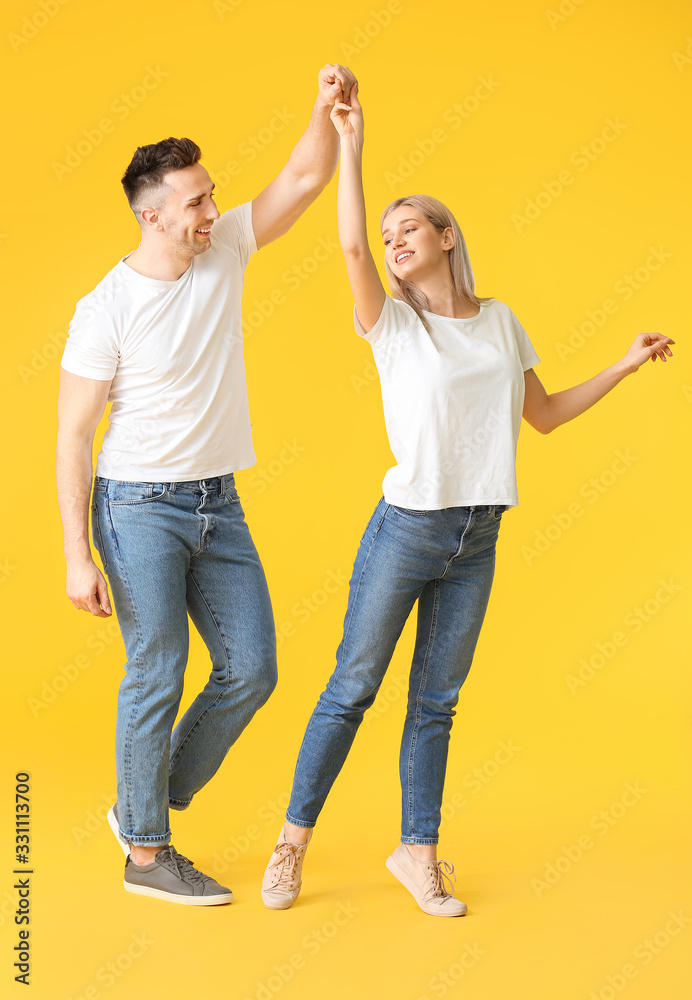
(184, 868)
(287, 857)
(439, 872)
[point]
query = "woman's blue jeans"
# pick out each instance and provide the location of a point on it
(445, 559)
(169, 550)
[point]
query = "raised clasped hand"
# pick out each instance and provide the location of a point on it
(348, 115)
(335, 83)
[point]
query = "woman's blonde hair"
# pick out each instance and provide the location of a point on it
(439, 216)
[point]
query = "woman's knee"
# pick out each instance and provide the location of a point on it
(346, 701)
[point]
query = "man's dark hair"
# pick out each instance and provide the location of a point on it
(150, 164)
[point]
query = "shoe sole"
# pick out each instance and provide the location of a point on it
(113, 824)
(172, 897)
(409, 884)
(282, 905)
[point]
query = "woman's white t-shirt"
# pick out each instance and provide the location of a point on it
(453, 400)
(174, 352)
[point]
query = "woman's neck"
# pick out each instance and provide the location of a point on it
(444, 301)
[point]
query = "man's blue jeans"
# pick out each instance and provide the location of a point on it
(444, 559)
(169, 550)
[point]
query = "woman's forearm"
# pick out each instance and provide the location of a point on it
(350, 198)
(570, 403)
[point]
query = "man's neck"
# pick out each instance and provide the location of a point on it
(156, 266)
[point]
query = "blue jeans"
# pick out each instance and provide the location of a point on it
(169, 550)
(444, 559)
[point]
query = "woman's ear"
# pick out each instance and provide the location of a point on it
(448, 238)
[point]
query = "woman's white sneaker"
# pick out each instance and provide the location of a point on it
(282, 878)
(425, 880)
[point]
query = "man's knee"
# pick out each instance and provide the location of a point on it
(155, 681)
(270, 679)
(264, 680)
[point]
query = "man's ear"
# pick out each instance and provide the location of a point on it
(150, 217)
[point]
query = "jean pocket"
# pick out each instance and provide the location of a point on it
(497, 511)
(412, 513)
(231, 494)
(136, 493)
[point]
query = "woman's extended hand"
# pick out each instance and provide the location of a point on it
(348, 118)
(645, 346)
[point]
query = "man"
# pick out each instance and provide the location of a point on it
(160, 338)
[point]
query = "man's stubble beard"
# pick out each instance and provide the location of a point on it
(183, 245)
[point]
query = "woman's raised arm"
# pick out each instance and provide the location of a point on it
(367, 288)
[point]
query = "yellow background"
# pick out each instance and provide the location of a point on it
(558, 78)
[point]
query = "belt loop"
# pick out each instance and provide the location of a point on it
(171, 487)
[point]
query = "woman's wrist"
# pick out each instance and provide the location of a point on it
(352, 143)
(621, 369)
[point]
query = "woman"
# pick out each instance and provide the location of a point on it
(457, 374)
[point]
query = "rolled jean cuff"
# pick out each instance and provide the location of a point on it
(299, 822)
(419, 840)
(151, 841)
(179, 804)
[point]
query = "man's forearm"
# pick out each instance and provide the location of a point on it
(74, 471)
(316, 154)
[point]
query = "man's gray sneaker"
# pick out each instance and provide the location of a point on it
(172, 876)
(115, 827)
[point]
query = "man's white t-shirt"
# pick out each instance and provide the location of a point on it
(453, 400)
(174, 350)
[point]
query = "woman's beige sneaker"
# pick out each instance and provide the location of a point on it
(281, 883)
(425, 880)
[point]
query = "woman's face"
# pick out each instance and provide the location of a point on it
(412, 245)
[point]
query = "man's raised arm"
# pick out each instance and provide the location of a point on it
(311, 165)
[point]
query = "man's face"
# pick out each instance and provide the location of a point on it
(189, 212)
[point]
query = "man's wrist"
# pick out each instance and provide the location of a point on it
(323, 106)
(77, 555)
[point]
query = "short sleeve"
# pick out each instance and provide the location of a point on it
(527, 354)
(91, 349)
(234, 232)
(395, 316)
